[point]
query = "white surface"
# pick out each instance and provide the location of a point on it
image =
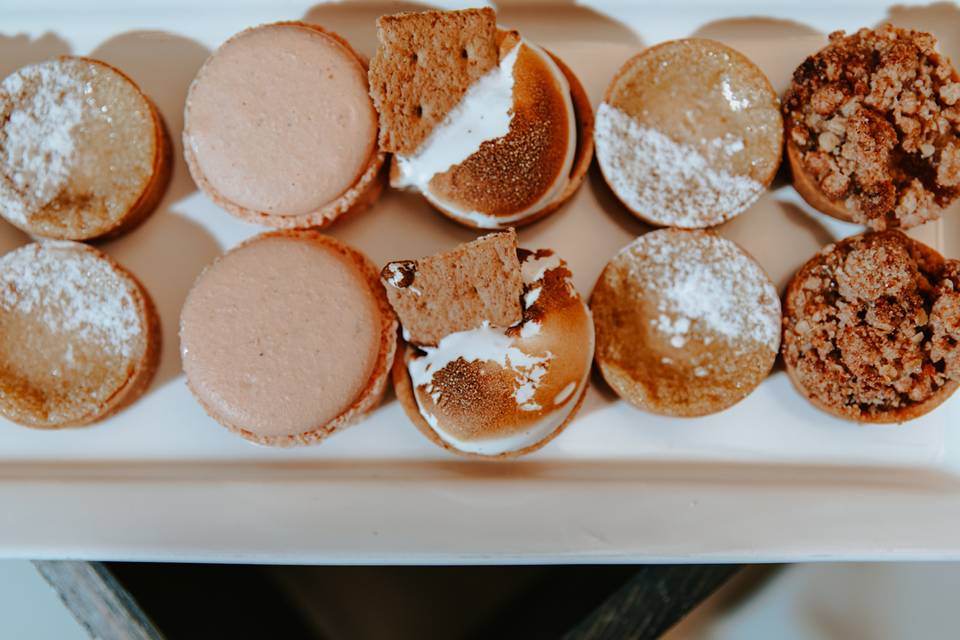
(830, 601)
(29, 607)
(771, 478)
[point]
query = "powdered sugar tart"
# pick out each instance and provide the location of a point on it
(501, 392)
(688, 134)
(83, 153)
(687, 323)
(79, 338)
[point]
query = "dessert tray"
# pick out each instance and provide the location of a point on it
(770, 479)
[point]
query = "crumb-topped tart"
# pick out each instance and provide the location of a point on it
(872, 328)
(873, 128)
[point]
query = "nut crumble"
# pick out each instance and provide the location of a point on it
(872, 327)
(875, 117)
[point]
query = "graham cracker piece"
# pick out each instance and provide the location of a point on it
(457, 290)
(423, 66)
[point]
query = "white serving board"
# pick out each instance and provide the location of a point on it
(771, 478)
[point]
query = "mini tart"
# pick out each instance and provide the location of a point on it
(687, 323)
(279, 129)
(79, 336)
(470, 401)
(83, 153)
(872, 128)
(483, 173)
(871, 328)
(288, 338)
(493, 130)
(689, 134)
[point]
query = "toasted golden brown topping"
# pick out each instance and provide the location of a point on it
(512, 173)
(872, 326)
(875, 118)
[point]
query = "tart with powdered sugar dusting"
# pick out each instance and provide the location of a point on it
(83, 153)
(689, 134)
(687, 323)
(495, 385)
(79, 337)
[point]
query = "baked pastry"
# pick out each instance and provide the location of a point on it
(279, 129)
(687, 323)
(871, 328)
(689, 134)
(873, 123)
(83, 153)
(493, 130)
(288, 338)
(498, 346)
(79, 336)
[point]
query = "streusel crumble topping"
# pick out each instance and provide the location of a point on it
(875, 117)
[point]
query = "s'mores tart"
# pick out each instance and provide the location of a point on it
(873, 124)
(498, 346)
(871, 328)
(689, 134)
(83, 153)
(79, 336)
(493, 130)
(279, 128)
(288, 338)
(687, 323)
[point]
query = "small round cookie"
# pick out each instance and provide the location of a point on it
(687, 323)
(873, 128)
(79, 336)
(83, 153)
(288, 338)
(871, 328)
(279, 128)
(495, 393)
(689, 134)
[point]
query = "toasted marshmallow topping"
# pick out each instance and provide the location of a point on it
(509, 349)
(484, 113)
(522, 439)
(484, 343)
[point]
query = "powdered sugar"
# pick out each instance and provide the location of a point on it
(703, 281)
(736, 104)
(71, 291)
(42, 104)
(668, 182)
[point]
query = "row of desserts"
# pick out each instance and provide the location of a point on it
(697, 252)
(284, 125)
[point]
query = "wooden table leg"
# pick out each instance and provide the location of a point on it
(95, 598)
(651, 602)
